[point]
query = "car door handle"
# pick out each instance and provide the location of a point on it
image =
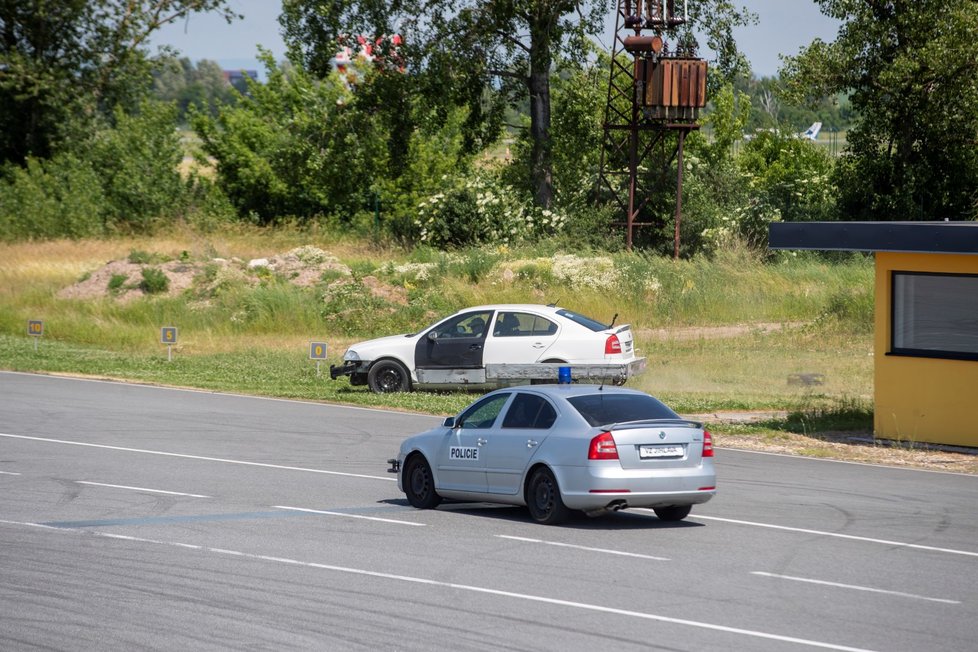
(530, 443)
(481, 442)
(539, 345)
(475, 347)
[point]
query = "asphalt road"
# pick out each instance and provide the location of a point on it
(135, 517)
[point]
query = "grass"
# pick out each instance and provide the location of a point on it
(249, 338)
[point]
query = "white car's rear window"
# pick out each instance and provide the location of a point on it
(587, 322)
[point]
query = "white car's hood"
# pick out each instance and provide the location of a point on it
(396, 345)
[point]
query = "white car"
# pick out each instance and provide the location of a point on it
(494, 345)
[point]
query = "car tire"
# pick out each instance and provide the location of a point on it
(672, 512)
(419, 483)
(543, 498)
(387, 376)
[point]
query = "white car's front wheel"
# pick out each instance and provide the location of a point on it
(386, 376)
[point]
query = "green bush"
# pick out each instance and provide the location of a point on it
(481, 209)
(789, 176)
(140, 257)
(57, 198)
(117, 281)
(295, 147)
(137, 162)
(154, 281)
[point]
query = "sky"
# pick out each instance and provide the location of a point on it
(785, 26)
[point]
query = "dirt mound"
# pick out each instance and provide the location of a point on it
(123, 281)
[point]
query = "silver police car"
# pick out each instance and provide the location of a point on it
(558, 448)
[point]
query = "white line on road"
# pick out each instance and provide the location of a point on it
(196, 457)
(154, 491)
(850, 537)
(854, 587)
(569, 545)
(366, 518)
(8, 473)
(467, 587)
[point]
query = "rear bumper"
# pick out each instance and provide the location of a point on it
(589, 489)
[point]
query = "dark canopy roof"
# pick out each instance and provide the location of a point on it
(910, 237)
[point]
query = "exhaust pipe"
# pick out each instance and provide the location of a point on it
(613, 506)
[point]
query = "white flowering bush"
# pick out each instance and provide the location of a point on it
(479, 209)
(600, 273)
(410, 274)
(312, 255)
(597, 272)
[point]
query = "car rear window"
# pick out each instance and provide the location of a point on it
(586, 322)
(603, 408)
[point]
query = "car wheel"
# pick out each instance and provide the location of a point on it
(543, 498)
(672, 512)
(388, 376)
(419, 483)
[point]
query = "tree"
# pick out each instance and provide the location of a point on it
(297, 147)
(202, 86)
(65, 63)
(911, 70)
(485, 52)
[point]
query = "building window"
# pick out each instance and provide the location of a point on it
(935, 315)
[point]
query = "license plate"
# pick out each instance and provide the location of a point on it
(649, 452)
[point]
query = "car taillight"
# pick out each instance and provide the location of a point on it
(707, 444)
(612, 345)
(603, 448)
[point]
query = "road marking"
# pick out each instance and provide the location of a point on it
(854, 587)
(197, 457)
(569, 545)
(473, 589)
(366, 518)
(8, 473)
(837, 535)
(193, 390)
(166, 520)
(153, 491)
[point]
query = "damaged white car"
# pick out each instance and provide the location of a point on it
(493, 346)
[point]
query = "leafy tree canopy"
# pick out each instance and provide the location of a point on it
(66, 63)
(912, 75)
(487, 53)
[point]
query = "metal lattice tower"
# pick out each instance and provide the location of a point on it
(652, 94)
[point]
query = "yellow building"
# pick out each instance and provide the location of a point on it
(926, 334)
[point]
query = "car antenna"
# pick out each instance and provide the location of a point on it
(552, 305)
(613, 320)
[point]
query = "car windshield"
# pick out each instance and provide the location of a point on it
(586, 322)
(603, 408)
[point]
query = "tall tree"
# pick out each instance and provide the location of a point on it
(65, 62)
(911, 70)
(485, 52)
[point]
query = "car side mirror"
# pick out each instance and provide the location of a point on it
(449, 423)
(432, 335)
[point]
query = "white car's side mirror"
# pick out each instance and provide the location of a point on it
(432, 335)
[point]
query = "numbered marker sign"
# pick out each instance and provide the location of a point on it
(168, 335)
(35, 327)
(317, 350)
